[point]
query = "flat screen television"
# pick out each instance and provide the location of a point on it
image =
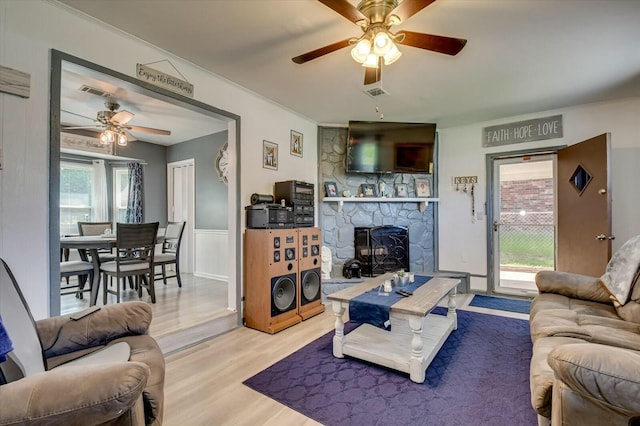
(388, 147)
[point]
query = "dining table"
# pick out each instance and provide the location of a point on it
(91, 244)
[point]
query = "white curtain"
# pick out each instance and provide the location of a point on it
(100, 205)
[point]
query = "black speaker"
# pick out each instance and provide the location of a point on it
(309, 286)
(283, 294)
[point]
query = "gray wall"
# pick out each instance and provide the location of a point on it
(211, 192)
(155, 177)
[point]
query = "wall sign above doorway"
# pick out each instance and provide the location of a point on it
(164, 80)
(523, 131)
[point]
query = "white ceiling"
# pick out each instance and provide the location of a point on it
(522, 56)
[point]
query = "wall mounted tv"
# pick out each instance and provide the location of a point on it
(388, 147)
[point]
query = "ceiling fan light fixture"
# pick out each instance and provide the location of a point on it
(361, 50)
(392, 56)
(122, 138)
(108, 136)
(371, 61)
(382, 43)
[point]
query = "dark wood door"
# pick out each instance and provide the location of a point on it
(584, 207)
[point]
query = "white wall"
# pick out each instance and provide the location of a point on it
(463, 242)
(28, 30)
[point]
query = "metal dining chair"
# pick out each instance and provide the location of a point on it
(170, 254)
(135, 246)
(97, 229)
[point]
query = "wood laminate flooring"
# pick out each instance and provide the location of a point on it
(181, 316)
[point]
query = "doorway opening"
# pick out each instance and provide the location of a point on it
(523, 222)
(61, 63)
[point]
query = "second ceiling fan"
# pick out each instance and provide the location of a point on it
(377, 44)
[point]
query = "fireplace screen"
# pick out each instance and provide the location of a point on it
(382, 249)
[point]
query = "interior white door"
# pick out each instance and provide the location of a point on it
(181, 203)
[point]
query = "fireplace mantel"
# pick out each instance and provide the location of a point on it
(422, 202)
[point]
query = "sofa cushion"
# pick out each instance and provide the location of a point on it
(546, 301)
(541, 375)
(622, 270)
(591, 328)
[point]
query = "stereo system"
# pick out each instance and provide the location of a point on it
(300, 197)
(269, 216)
(282, 283)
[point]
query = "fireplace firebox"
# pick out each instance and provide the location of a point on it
(382, 249)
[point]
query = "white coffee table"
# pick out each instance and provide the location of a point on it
(416, 335)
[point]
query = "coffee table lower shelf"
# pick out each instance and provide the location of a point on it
(398, 349)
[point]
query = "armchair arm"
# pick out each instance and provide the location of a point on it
(598, 372)
(572, 285)
(85, 395)
(61, 335)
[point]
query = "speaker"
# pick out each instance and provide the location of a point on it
(271, 290)
(310, 283)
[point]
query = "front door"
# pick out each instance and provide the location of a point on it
(584, 207)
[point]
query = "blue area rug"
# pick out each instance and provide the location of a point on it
(479, 377)
(500, 303)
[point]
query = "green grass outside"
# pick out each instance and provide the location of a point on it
(527, 250)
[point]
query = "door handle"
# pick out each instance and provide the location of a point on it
(495, 225)
(603, 237)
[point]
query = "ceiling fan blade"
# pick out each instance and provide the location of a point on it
(148, 130)
(447, 45)
(346, 9)
(373, 75)
(306, 57)
(96, 127)
(122, 117)
(408, 8)
(79, 115)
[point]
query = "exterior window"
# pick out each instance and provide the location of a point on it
(76, 183)
(120, 194)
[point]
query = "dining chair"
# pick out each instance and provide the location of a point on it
(97, 229)
(81, 269)
(170, 254)
(135, 246)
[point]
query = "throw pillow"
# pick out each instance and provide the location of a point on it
(630, 311)
(622, 269)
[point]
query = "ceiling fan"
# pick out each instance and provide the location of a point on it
(115, 125)
(377, 44)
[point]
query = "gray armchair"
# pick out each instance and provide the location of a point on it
(101, 368)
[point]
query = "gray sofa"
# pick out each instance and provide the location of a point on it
(585, 366)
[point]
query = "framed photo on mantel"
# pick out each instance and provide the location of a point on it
(422, 188)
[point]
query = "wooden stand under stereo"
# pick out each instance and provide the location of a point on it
(309, 275)
(271, 294)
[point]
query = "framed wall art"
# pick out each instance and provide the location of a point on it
(368, 190)
(422, 188)
(296, 144)
(331, 189)
(401, 190)
(269, 155)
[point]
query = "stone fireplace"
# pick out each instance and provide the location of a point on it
(339, 223)
(382, 249)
